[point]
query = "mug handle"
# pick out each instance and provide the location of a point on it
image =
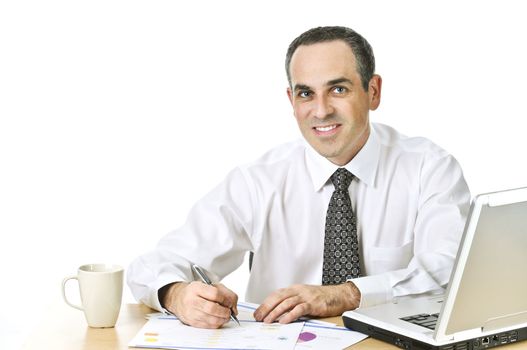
(64, 292)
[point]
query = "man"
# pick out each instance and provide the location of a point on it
(354, 215)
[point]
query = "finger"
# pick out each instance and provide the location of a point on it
(270, 303)
(230, 299)
(282, 308)
(212, 308)
(199, 312)
(225, 298)
(298, 311)
(203, 320)
(210, 292)
(218, 293)
(267, 306)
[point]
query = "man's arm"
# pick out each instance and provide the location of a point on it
(290, 303)
(215, 236)
(443, 207)
(443, 204)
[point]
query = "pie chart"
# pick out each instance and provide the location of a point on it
(305, 337)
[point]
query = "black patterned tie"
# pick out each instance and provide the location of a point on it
(341, 247)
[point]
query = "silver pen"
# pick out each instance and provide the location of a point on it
(205, 279)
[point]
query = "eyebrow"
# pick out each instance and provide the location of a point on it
(329, 83)
(339, 81)
(301, 87)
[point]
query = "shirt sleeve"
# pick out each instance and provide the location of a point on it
(444, 201)
(214, 236)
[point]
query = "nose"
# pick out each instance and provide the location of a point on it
(323, 107)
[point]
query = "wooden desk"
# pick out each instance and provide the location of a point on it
(66, 328)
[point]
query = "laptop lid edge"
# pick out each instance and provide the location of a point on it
(459, 266)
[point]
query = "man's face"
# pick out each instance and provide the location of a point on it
(329, 102)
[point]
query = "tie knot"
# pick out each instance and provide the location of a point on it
(341, 179)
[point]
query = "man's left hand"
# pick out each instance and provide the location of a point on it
(289, 304)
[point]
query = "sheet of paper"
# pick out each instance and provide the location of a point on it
(172, 334)
(166, 331)
(314, 336)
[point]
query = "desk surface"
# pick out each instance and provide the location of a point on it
(66, 328)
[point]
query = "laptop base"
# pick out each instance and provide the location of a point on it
(403, 342)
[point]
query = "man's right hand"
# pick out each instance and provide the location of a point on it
(198, 304)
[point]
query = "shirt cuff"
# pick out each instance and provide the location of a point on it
(374, 290)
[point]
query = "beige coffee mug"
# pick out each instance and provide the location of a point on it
(101, 290)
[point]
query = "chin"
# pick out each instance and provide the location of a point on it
(326, 153)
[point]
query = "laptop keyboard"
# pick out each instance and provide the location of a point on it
(425, 320)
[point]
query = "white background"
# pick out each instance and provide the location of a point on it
(116, 116)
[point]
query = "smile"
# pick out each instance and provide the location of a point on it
(325, 128)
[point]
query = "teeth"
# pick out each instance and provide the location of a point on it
(325, 128)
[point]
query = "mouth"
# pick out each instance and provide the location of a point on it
(326, 130)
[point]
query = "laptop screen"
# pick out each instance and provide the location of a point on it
(491, 284)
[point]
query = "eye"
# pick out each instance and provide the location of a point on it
(339, 89)
(304, 93)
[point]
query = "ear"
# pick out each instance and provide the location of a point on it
(290, 95)
(374, 91)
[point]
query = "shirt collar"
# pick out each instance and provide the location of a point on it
(363, 165)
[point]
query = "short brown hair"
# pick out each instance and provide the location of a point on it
(359, 46)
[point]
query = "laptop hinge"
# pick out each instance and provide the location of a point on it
(504, 321)
(468, 334)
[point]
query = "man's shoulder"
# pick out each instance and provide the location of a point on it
(277, 160)
(283, 154)
(398, 142)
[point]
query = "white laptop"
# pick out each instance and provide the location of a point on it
(485, 304)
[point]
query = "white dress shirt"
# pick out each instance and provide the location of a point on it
(409, 196)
